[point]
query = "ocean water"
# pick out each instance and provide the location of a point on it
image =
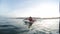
(17, 26)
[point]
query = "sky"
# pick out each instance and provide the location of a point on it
(26, 8)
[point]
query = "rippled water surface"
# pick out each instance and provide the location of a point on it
(17, 26)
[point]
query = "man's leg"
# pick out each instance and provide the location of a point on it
(30, 24)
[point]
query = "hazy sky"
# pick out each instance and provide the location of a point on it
(25, 8)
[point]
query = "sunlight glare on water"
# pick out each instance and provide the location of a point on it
(48, 26)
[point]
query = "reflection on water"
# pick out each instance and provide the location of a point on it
(17, 26)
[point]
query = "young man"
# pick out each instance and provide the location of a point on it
(30, 21)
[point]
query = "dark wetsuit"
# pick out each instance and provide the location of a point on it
(31, 21)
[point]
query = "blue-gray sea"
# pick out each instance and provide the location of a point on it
(17, 26)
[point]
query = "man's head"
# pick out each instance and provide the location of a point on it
(30, 17)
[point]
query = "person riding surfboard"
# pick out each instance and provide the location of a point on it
(30, 21)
